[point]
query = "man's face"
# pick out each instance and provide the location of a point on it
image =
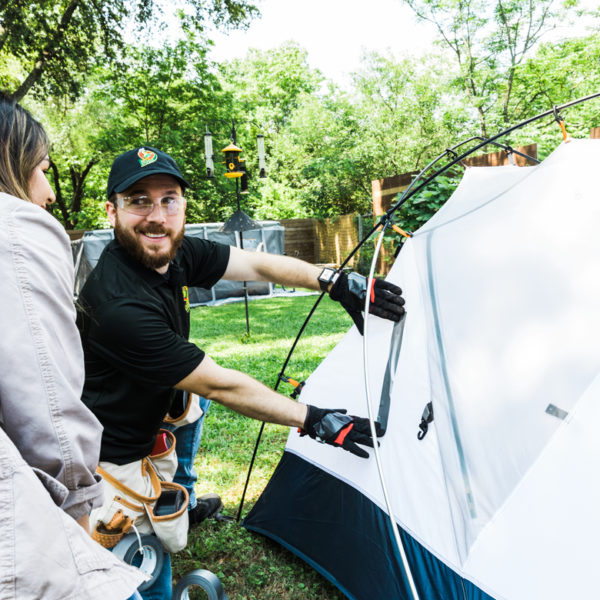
(152, 239)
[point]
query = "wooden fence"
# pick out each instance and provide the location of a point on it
(321, 241)
(300, 238)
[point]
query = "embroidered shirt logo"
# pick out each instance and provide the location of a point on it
(186, 298)
(147, 157)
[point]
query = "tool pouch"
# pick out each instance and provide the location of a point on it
(131, 493)
(169, 516)
(184, 410)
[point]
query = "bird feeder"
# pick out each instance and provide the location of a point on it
(233, 161)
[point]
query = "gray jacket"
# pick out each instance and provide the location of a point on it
(46, 430)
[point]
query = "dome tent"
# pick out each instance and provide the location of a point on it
(502, 334)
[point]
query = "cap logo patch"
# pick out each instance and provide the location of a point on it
(147, 157)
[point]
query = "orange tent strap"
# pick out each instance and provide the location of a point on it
(401, 231)
(396, 229)
(564, 130)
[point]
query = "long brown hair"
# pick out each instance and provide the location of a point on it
(23, 146)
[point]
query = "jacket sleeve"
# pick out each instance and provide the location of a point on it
(41, 361)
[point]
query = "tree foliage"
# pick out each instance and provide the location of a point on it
(489, 40)
(325, 146)
(408, 110)
(558, 73)
(99, 94)
(266, 91)
(56, 42)
(161, 97)
(266, 87)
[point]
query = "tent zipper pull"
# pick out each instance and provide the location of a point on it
(426, 418)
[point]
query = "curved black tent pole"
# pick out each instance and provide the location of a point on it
(408, 193)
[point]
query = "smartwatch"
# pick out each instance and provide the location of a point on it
(327, 276)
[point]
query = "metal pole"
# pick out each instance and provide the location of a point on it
(237, 196)
(237, 199)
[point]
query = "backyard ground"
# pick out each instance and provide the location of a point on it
(250, 566)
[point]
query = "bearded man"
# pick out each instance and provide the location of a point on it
(134, 323)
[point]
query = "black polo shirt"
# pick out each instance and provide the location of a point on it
(134, 325)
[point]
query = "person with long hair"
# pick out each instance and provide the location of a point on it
(49, 440)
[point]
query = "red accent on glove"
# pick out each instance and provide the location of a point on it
(343, 433)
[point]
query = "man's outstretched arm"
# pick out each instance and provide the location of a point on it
(245, 395)
(349, 289)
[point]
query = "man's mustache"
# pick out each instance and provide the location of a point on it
(153, 228)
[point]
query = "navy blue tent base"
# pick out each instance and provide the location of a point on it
(346, 537)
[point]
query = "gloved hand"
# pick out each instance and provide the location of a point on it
(350, 291)
(334, 427)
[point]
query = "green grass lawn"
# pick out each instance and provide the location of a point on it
(252, 567)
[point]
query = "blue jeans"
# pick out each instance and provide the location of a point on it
(188, 441)
(162, 588)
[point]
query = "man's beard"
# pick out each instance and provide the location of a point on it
(134, 247)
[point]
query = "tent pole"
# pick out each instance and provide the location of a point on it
(399, 544)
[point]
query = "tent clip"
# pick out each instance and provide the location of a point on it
(298, 385)
(386, 220)
(561, 124)
(426, 418)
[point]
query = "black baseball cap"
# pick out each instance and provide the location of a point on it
(134, 165)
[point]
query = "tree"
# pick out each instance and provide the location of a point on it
(57, 42)
(266, 86)
(489, 41)
(160, 97)
(555, 75)
(325, 145)
(315, 159)
(408, 111)
(264, 90)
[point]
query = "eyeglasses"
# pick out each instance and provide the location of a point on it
(144, 205)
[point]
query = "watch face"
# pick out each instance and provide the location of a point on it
(326, 274)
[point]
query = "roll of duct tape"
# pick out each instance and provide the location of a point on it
(207, 580)
(144, 552)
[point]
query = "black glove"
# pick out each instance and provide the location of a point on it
(350, 291)
(333, 426)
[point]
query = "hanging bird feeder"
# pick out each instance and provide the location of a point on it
(233, 161)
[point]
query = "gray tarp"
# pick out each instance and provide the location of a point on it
(87, 250)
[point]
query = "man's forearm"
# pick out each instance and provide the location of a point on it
(292, 272)
(260, 266)
(243, 394)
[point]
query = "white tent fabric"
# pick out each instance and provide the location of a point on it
(502, 333)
